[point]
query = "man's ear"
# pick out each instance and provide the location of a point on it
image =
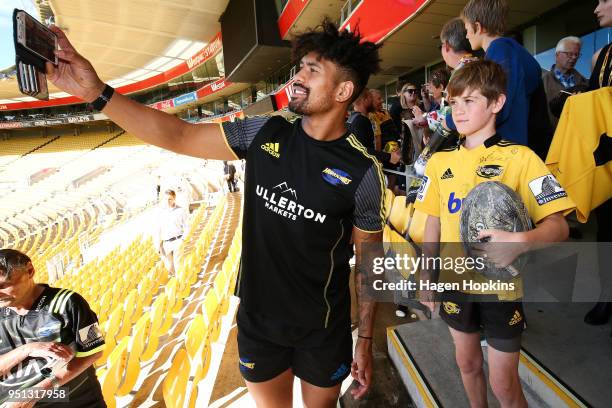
(499, 103)
(344, 91)
(30, 269)
(478, 28)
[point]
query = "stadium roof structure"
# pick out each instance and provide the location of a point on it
(128, 41)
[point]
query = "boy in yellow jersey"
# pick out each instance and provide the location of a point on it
(476, 95)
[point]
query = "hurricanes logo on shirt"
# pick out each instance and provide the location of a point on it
(336, 176)
(489, 171)
(271, 148)
(282, 200)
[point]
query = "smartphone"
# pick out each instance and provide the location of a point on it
(37, 38)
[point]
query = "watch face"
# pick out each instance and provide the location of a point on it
(46, 372)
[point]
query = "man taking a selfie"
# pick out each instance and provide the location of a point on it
(310, 186)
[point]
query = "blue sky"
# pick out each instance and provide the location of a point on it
(7, 50)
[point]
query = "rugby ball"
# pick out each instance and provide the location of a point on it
(493, 205)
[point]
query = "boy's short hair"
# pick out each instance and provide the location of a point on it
(440, 77)
(485, 76)
(491, 14)
(453, 32)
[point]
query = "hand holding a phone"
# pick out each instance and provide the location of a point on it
(73, 74)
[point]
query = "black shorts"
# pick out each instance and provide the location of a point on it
(501, 321)
(266, 348)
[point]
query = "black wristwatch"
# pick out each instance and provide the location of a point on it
(50, 375)
(103, 99)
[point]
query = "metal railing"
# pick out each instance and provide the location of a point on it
(347, 9)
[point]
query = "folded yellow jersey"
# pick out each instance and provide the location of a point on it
(580, 152)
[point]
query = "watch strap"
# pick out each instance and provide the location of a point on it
(103, 99)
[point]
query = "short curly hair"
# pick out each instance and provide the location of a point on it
(11, 259)
(357, 59)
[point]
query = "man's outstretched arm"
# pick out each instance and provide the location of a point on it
(76, 76)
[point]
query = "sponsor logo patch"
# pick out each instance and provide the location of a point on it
(448, 174)
(489, 170)
(271, 149)
(546, 189)
(90, 334)
(343, 369)
(336, 176)
(245, 364)
(451, 308)
(423, 189)
(49, 329)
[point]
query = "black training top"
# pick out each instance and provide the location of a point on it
(60, 315)
(302, 199)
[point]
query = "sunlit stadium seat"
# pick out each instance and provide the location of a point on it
(211, 313)
(112, 375)
(136, 347)
(198, 348)
(176, 381)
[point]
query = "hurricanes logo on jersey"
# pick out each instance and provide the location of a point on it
(451, 308)
(336, 176)
(271, 148)
(245, 364)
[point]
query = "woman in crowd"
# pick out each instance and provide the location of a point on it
(408, 100)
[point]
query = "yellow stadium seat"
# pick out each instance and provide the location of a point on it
(211, 313)
(220, 287)
(173, 295)
(136, 346)
(129, 314)
(161, 321)
(416, 231)
(114, 372)
(389, 197)
(400, 214)
(176, 381)
(198, 349)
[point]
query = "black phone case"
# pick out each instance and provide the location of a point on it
(38, 89)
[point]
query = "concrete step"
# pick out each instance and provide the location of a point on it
(424, 355)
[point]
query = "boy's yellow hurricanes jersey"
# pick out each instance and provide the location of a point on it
(452, 173)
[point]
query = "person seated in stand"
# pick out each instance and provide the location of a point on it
(49, 338)
(477, 96)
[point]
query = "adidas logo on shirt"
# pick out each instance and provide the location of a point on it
(447, 174)
(516, 318)
(271, 148)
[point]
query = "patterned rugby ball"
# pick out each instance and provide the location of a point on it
(493, 205)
